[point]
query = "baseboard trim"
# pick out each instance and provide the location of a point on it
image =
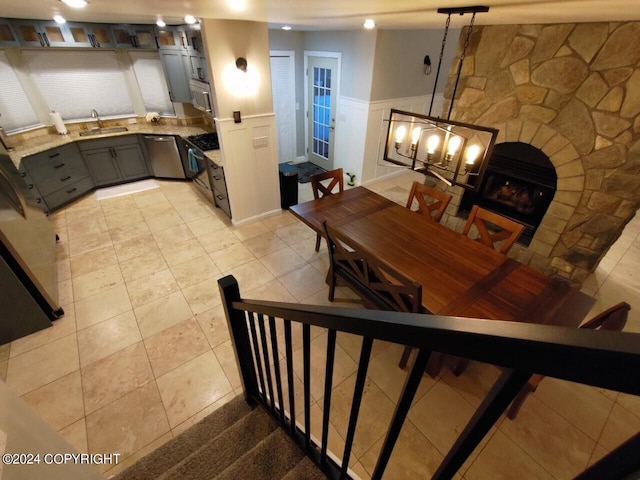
(255, 217)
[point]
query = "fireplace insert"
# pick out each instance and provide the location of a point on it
(519, 183)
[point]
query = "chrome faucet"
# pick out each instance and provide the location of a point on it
(94, 114)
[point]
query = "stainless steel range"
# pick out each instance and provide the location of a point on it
(205, 141)
(194, 148)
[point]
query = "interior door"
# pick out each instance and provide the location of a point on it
(322, 84)
(283, 90)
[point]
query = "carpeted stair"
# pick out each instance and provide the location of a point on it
(234, 442)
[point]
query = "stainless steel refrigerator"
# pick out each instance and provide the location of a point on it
(28, 273)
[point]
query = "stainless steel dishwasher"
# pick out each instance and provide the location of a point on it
(164, 157)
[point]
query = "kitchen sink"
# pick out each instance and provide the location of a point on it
(103, 131)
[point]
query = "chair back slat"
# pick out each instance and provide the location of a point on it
(502, 228)
(432, 209)
(320, 189)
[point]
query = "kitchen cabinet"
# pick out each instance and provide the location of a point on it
(93, 35)
(182, 54)
(8, 36)
(219, 187)
(56, 176)
(175, 72)
(114, 160)
(35, 33)
(134, 36)
(31, 185)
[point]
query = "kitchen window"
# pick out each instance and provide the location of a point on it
(75, 82)
(151, 81)
(15, 108)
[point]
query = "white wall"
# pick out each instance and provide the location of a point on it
(251, 171)
(373, 165)
(225, 41)
(361, 132)
(249, 149)
(398, 69)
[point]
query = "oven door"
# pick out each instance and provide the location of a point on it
(202, 180)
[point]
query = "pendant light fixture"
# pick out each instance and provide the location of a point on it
(454, 152)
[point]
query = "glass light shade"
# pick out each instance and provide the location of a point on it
(472, 154)
(190, 19)
(439, 147)
(453, 145)
(369, 24)
(415, 135)
(432, 144)
(160, 23)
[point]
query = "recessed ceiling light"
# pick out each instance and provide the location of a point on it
(190, 19)
(59, 19)
(160, 23)
(369, 24)
(286, 27)
(75, 3)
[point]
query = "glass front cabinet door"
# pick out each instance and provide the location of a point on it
(8, 36)
(42, 34)
(90, 35)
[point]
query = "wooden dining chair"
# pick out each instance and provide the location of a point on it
(431, 202)
(502, 228)
(320, 189)
(377, 284)
(613, 319)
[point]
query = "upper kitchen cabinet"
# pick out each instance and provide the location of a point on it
(8, 36)
(175, 71)
(177, 37)
(134, 36)
(34, 33)
(91, 35)
(185, 41)
(169, 39)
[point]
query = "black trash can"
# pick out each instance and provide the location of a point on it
(288, 185)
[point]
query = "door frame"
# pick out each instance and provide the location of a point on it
(324, 54)
(291, 54)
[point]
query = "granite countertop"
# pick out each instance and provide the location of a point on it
(46, 141)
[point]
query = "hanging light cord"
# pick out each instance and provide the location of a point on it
(464, 50)
(444, 42)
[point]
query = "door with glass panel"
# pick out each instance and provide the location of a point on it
(322, 84)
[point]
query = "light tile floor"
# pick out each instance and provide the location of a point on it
(143, 351)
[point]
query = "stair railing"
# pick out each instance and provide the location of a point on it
(603, 359)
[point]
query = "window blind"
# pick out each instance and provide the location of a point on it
(75, 82)
(152, 82)
(17, 113)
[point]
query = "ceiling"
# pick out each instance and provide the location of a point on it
(330, 14)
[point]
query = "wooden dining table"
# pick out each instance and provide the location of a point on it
(459, 276)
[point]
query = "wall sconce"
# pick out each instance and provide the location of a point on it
(241, 64)
(427, 65)
(454, 152)
(241, 79)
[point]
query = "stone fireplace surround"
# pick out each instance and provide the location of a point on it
(573, 91)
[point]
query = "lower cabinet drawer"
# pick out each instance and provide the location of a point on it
(68, 193)
(218, 183)
(222, 201)
(61, 181)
